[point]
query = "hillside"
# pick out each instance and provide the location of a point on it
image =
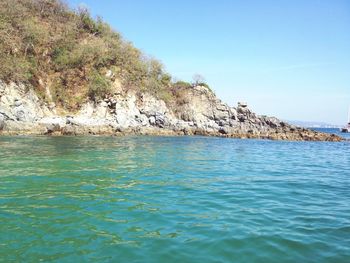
(44, 43)
(63, 72)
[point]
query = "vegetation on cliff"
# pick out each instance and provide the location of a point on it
(44, 43)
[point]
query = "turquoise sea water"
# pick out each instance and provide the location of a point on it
(173, 199)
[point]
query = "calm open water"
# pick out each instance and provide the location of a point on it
(173, 199)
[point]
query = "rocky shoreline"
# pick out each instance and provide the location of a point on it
(22, 112)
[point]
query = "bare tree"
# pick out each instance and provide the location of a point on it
(198, 79)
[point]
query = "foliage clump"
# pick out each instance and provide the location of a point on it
(99, 86)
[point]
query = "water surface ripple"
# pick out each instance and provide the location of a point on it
(173, 199)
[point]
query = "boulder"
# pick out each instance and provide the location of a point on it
(52, 128)
(159, 119)
(152, 120)
(17, 103)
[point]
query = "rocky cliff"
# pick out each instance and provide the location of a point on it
(128, 112)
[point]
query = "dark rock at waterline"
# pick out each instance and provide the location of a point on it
(2, 122)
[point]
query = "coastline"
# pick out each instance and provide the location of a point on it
(22, 112)
(308, 135)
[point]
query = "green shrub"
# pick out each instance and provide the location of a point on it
(165, 95)
(33, 32)
(166, 80)
(87, 23)
(91, 53)
(48, 8)
(99, 86)
(182, 85)
(58, 92)
(61, 57)
(15, 69)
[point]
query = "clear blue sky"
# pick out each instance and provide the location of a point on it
(289, 59)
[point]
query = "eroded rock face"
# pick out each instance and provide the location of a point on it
(2, 122)
(22, 112)
(18, 104)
